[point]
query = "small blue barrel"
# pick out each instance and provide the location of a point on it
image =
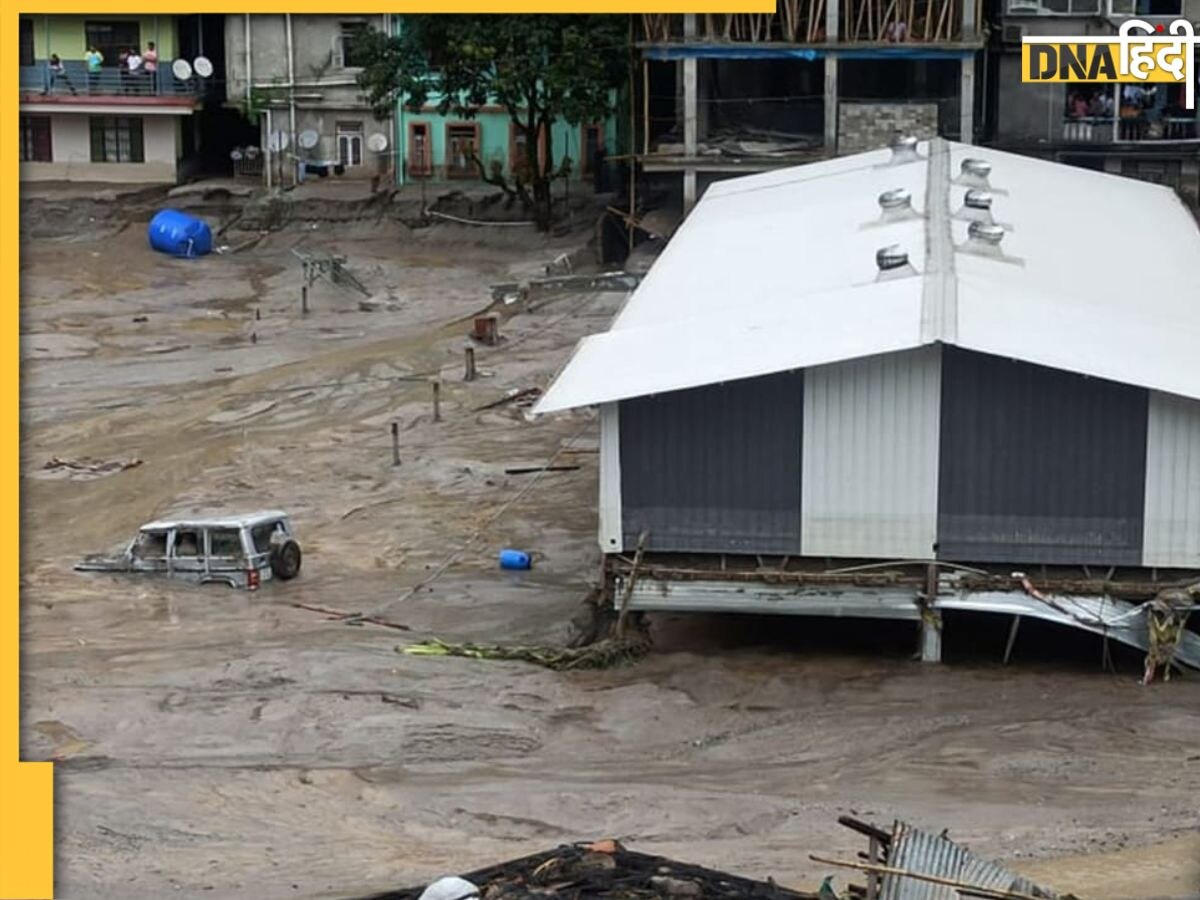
(514, 559)
(179, 234)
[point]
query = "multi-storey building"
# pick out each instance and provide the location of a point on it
(100, 121)
(1118, 128)
(728, 94)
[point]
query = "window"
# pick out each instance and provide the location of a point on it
(1172, 8)
(420, 156)
(111, 38)
(187, 543)
(591, 143)
(35, 139)
(262, 534)
(150, 545)
(349, 53)
(117, 139)
(225, 543)
(27, 55)
(1056, 7)
(462, 142)
(518, 157)
(349, 143)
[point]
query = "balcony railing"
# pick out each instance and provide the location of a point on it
(1099, 129)
(109, 81)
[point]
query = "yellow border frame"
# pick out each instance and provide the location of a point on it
(27, 788)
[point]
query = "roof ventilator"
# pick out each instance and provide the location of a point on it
(984, 240)
(893, 263)
(975, 173)
(977, 207)
(904, 149)
(896, 205)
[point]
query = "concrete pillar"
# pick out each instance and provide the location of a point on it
(968, 19)
(931, 636)
(966, 99)
(690, 103)
(831, 105)
(832, 24)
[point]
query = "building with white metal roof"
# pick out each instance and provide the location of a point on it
(937, 353)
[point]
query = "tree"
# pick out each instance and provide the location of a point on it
(539, 68)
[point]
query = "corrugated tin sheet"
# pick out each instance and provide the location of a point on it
(929, 854)
(715, 469)
(1172, 535)
(870, 461)
(1039, 465)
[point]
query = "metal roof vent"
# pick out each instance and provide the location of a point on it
(893, 263)
(896, 204)
(904, 149)
(977, 207)
(975, 172)
(983, 239)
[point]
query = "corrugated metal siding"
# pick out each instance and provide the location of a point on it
(870, 471)
(1172, 535)
(609, 507)
(715, 469)
(1039, 465)
(919, 851)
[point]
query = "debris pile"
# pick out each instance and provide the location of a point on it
(910, 864)
(89, 468)
(605, 871)
(602, 654)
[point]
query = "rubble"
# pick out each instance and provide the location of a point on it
(605, 870)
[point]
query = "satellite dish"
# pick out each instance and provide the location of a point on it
(308, 139)
(181, 69)
(202, 66)
(277, 141)
(235, 154)
(377, 142)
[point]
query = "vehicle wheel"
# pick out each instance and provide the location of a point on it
(285, 560)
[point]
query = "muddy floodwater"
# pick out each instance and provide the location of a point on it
(227, 744)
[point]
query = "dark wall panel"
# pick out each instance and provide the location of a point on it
(715, 469)
(1039, 465)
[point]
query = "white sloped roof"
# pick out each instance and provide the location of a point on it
(777, 271)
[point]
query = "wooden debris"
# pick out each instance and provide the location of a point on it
(91, 467)
(350, 618)
(600, 655)
(522, 397)
(529, 470)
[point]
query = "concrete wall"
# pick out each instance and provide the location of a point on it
(70, 141)
(869, 126)
(64, 35)
(314, 39)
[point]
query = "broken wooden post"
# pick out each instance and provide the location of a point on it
(395, 443)
(257, 314)
(304, 290)
(437, 400)
(931, 619)
(468, 363)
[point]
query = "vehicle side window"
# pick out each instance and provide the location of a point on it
(226, 542)
(187, 543)
(261, 535)
(151, 545)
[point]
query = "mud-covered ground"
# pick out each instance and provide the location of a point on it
(217, 743)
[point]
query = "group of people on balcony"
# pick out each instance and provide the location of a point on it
(1098, 104)
(137, 71)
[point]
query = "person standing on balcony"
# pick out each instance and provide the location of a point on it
(133, 64)
(57, 71)
(150, 64)
(94, 59)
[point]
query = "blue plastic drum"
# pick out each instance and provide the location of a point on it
(179, 234)
(514, 559)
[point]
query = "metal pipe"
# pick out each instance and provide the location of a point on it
(268, 162)
(291, 64)
(249, 73)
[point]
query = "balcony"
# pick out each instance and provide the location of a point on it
(1128, 129)
(110, 84)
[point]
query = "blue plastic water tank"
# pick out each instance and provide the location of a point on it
(514, 559)
(179, 234)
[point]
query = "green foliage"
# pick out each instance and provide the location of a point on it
(539, 68)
